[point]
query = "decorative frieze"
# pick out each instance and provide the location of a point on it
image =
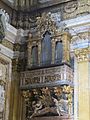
(76, 8)
(47, 75)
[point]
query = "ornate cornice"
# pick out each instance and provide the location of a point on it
(77, 25)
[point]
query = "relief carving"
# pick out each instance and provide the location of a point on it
(83, 54)
(70, 7)
(3, 77)
(45, 23)
(80, 45)
(46, 101)
(46, 75)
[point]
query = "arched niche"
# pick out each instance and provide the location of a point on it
(58, 52)
(34, 54)
(46, 49)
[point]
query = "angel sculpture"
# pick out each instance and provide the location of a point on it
(37, 107)
(59, 106)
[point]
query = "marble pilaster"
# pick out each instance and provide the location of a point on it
(82, 52)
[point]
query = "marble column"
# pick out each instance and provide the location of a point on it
(75, 89)
(82, 80)
(14, 93)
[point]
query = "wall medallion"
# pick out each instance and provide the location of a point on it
(70, 7)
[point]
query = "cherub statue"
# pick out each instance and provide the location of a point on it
(59, 106)
(4, 17)
(7, 18)
(37, 106)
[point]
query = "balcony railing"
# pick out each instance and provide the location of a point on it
(55, 75)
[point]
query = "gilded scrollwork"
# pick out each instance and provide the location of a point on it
(45, 23)
(47, 101)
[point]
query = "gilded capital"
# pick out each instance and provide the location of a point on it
(82, 54)
(81, 46)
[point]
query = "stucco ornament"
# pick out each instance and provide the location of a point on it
(46, 23)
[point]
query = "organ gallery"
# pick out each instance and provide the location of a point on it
(44, 60)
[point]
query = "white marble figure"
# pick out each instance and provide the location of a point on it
(37, 106)
(1, 11)
(7, 18)
(4, 17)
(59, 107)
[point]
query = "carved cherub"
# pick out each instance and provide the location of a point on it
(60, 104)
(37, 106)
